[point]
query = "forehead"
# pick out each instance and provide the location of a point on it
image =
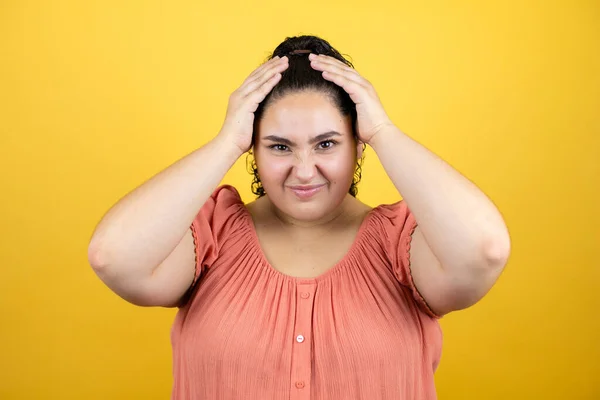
(303, 114)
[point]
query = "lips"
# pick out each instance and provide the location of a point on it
(305, 192)
(306, 187)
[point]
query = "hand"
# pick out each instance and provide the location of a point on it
(243, 102)
(371, 116)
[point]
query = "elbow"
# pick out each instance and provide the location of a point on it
(496, 251)
(97, 255)
(472, 280)
(104, 263)
(118, 280)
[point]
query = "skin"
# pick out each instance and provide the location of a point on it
(304, 140)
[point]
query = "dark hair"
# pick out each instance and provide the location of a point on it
(298, 77)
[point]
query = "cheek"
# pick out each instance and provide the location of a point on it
(273, 169)
(334, 167)
(337, 170)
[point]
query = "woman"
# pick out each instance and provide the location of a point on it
(305, 293)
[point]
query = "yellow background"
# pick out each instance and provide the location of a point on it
(95, 97)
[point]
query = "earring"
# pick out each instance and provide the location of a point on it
(251, 165)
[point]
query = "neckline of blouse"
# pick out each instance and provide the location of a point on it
(340, 264)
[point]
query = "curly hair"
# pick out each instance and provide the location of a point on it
(298, 77)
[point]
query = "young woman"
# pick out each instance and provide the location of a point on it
(305, 293)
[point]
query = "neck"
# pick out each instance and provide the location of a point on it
(328, 221)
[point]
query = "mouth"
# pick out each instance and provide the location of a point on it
(306, 192)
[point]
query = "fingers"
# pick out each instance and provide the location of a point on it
(263, 74)
(255, 97)
(261, 68)
(331, 65)
(351, 87)
(321, 58)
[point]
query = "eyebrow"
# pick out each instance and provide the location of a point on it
(316, 139)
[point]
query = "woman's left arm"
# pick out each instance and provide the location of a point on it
(461, 244)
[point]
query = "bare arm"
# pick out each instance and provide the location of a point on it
(133, 240)
(142, 248)
(461, 244)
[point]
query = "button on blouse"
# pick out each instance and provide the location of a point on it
(361, 330)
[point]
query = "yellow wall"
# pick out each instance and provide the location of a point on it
(95, 97)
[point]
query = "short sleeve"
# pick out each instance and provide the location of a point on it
(401, 226)
(211, 224)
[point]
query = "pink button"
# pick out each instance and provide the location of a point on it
(305, 295)
(300, 384)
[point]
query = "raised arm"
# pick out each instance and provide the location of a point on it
(461, 243)
(143, 249)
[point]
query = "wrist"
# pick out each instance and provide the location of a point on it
(381, 138)
(226, 147)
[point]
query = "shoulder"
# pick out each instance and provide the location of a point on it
(225, 198)
(390, 210)
(394, 216)
(226, 192)
(221, 210)
(392, 226)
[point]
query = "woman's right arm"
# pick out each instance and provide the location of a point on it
(143, 248)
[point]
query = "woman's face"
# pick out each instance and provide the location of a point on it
(306, 155)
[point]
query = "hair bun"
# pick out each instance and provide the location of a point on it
(303, 45)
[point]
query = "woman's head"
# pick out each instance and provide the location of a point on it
(305, 134)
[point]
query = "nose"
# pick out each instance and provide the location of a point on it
(305, 169)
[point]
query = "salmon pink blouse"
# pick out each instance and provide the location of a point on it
(358, 331)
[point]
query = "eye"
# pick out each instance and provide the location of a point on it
(279, 147)
(327, 144)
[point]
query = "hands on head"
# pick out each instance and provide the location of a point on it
(243, 102)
